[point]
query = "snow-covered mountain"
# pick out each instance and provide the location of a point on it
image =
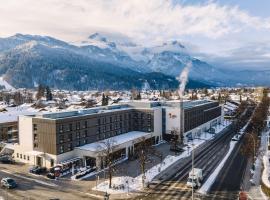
(26, 60)
(101, 62)
(171, 57)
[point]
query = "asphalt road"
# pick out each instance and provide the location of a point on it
(36, 189)
(229, 180)
(207, 158)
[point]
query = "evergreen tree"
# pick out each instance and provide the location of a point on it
(40, 92)
(219, 97)
(139, 96)
(105, 100)
(49, 96)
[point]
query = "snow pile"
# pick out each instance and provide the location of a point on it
(211, 179)
(265, 174)
(124, 183)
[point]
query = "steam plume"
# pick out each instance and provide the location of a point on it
(183, 78)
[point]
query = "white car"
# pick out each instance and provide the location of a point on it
(236, 138)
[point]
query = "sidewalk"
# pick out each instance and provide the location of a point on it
(254, 188)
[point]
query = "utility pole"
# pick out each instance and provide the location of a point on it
(192, 170)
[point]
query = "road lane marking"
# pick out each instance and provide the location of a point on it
(30, 179)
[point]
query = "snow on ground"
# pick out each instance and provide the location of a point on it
(211, 179)
(6, 84)
(125, 184)
(265, 174)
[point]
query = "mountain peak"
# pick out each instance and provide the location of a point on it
(174, 43)
(97, 36)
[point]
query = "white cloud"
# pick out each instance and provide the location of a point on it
(150, 20)
(217, 33)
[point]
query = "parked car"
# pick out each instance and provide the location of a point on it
(6, 159)
(236, 138)
(8, 183)
(51, 175)
(37, 170)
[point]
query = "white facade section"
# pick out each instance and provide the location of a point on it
(158, 123)
(26, 133)
(173, 119)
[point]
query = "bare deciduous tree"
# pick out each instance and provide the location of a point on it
(146, 152)
(107, 148)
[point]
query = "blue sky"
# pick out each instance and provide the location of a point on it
(226, 33)
(254, 7)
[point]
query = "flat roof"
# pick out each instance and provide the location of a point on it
(118, 107)
(83, 112)
(116, 140)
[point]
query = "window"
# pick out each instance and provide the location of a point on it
(70, 137)
(17, 155)
(70, 147)
(35, 127)
(61, 139)
(61, 149)
(35, 137)
(78, 125)
(85, 133)
(85, 124)
(24, 157)
(110, 119)
(52, 162)
(20, 156)
(98, 122)
(28, 158)
(70, 127)
(78, 135)
(61, 128)
(120, 117)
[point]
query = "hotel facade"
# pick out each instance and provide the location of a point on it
(81, 136)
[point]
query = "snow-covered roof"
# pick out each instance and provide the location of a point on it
(13, 112)
(116, 140)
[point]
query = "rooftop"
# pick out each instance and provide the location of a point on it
(115, 141)
(122, 106)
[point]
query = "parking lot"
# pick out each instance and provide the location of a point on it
(32, 186)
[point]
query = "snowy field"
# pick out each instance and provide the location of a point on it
(126, 184)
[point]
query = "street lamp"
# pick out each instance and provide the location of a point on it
(192, 169)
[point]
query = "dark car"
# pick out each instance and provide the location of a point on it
(6, 160)
(37, 170)
(51, 175)
(8, 183)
